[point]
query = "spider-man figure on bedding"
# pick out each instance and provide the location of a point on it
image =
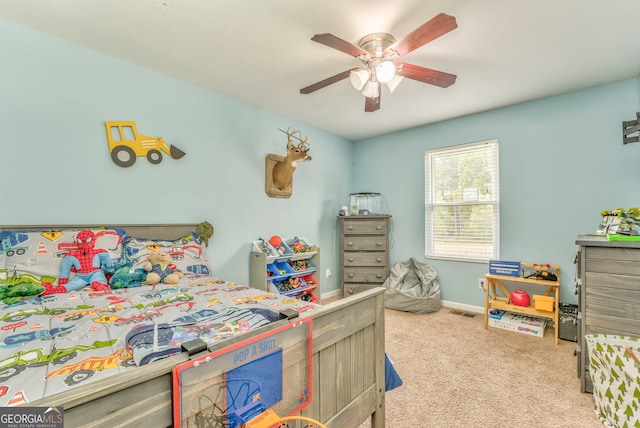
(87, 263)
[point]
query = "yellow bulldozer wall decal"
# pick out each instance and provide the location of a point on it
(125, 144)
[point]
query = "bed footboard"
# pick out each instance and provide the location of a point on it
(347, 385)
(348, 361)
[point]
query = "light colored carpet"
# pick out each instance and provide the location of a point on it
(456, 374)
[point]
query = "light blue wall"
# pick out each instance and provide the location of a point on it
(56, 167)
(562, 161)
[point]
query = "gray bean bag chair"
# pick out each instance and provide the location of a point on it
(412, 287)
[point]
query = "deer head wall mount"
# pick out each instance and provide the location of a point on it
(279, 169)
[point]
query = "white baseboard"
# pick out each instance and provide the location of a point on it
(330, 294)
(463, 307)
(445, 303)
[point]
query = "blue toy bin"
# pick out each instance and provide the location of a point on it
(283, 266)
(283, 287)
(273, 271)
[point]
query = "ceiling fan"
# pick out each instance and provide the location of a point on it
(379, 52)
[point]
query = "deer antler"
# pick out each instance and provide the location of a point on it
(304, 144)
(292, 134)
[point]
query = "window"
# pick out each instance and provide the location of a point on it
(462, 202)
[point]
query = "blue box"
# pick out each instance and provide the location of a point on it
(504, 267)
(496, 314)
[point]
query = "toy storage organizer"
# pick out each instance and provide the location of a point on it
(291, 269)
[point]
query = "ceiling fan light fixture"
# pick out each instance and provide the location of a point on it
(379, 52)
(393, 83)
(385, 71)
(358, 78)
(371, 89)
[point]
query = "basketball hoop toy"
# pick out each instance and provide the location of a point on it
(250, 383)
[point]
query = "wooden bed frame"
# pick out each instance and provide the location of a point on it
(348, 363)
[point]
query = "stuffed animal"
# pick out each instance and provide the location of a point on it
(123, 275)
(14, 293)
(87, 262)
(161, 269)
(205, 231)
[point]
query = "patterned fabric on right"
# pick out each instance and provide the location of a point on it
(614, 366)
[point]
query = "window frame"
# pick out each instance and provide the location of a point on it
(491, 146)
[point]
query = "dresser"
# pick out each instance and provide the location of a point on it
(609, 293)
(364, 252)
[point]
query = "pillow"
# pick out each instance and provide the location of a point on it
(189, 252)
(40, 253)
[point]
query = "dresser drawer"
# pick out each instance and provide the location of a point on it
(364, 252)
(354, 288)
(619, 267)
(370, 258)
(365, 274)
(607, 253)
(624, 288)
(364, 243)
(364, 227)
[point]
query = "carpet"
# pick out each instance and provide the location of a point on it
(457, 374)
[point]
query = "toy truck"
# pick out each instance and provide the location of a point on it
(11, 244)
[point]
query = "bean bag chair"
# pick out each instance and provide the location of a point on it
(412, 287)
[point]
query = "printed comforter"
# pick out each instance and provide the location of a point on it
(53, 343)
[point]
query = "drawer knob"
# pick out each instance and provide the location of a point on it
(378, 276)
(350, 243)
(350, 259)
(378, 259)
(378, 227)
(350, 275)
(350, 291)
(378, 244)
(350, 227)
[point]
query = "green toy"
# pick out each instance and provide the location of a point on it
(123, 277)
(205, 231)
(13, 293)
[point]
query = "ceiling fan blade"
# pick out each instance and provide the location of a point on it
(437, 26)
(372, 104)
(426, 75)
(335, 42)
(328, 81)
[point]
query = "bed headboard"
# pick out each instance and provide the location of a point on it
(151, 231)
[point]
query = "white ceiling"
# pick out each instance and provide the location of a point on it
(260, 52)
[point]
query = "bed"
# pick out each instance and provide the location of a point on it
(347, 346)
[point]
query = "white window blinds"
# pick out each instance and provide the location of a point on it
(462, 202)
